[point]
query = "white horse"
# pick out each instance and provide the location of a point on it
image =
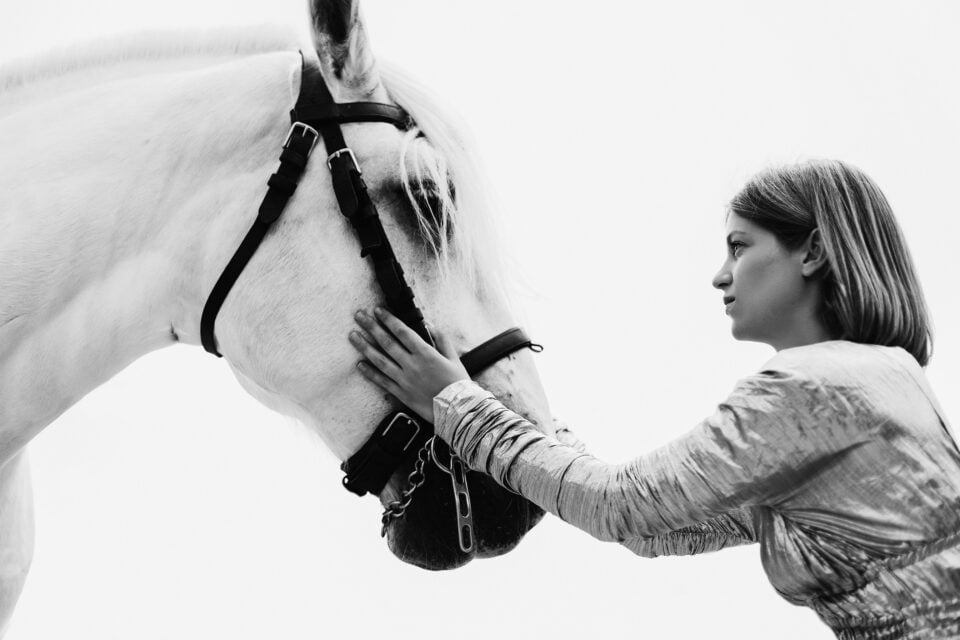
(129, 175)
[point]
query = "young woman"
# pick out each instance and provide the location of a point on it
(835, 457)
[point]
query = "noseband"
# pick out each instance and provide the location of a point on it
(401, 436)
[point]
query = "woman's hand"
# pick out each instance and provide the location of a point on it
(401, 363)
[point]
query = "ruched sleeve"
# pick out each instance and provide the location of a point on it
(728, 530)
(774, 430)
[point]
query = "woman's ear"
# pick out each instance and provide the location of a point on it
(814, 254)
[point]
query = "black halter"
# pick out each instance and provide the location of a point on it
(401, 434)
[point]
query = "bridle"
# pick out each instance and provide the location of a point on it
(402, 435)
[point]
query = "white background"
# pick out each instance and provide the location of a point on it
(171, 505)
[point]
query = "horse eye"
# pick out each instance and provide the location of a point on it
(430, 202)
(429, 198)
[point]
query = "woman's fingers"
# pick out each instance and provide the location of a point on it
(362, 343)
(382, 337)
(407, 336)
(379, 379)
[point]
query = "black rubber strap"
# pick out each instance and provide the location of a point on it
(281, 186)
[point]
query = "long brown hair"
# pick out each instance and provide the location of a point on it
(871, 293)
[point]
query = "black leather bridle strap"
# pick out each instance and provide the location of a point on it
(398, 437)
(376, 245)
(354, 112)
(496, 348)
(316, 107)
(281, 185)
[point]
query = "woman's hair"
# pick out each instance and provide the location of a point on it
(870, 289)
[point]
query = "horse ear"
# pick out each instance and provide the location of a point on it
(341, 42)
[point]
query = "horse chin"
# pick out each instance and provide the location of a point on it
(426, 535)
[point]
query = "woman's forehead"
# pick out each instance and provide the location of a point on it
(737, 224)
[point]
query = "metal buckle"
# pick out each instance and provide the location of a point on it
(307, 129)
(340, 152)
(415, 424)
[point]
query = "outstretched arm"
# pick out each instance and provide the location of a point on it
(652, 496)
(771, 434)
(728, 530)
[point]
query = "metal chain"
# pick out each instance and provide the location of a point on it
(416, 479)
(461, 497)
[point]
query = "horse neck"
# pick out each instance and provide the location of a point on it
(119, 204)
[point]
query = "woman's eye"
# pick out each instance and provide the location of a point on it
(736, 248)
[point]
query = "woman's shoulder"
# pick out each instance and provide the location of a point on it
(845, 365)
(838, 383)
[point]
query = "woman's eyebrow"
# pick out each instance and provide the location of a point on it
(733, 233)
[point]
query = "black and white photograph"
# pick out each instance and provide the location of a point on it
(428, 319)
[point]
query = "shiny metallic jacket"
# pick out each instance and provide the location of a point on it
(835, 458)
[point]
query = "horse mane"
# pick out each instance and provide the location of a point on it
(458, 228)
(145, 45)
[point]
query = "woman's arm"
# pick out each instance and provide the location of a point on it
(728, 530)
(773, 432)
(564, 434)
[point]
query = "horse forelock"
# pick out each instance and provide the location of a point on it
(462, 229)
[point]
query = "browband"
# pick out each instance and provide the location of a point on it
(354, 112)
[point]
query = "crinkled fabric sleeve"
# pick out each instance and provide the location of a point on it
(728, 530)
(773, 431)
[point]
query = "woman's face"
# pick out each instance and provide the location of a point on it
(764, 289)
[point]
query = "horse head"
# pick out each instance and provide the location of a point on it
(283, 327)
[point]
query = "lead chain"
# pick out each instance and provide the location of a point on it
(461, 498)
(417, 477)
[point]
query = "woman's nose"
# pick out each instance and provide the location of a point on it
(722, 278)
